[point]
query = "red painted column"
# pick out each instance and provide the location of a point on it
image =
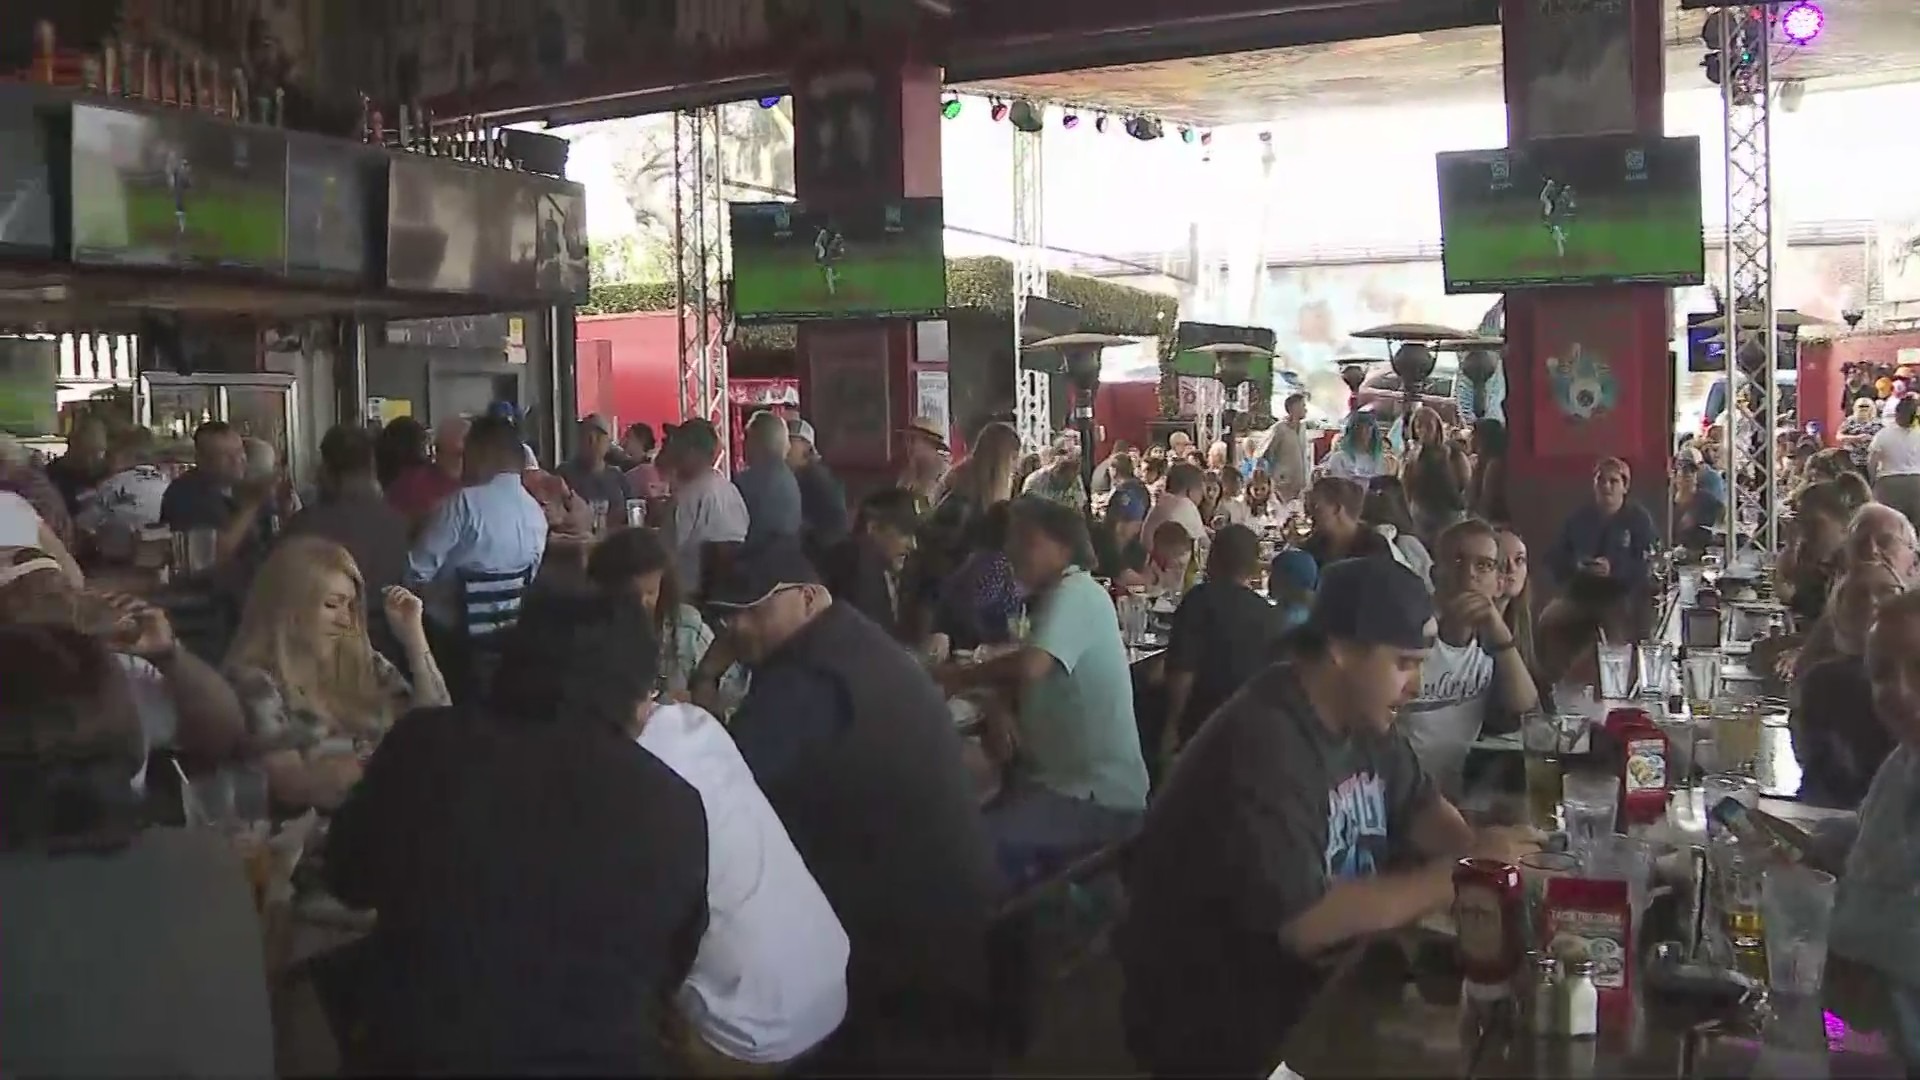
(1585, 69)
(859, 380)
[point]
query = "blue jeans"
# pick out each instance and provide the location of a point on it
(1037, 830)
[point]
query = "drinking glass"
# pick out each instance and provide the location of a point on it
(1796, 912)
(1133, 619)
(1736, 739)
(1736, 872)
(599, 508)
(1588, 806)
(1536, 869)
(1701, 673)
(1656, 670)
(1622, 858)
(1616, 671)
(1721, 785)
(1540, 742)
(1680, 731)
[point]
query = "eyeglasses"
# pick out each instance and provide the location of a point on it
(1477, 564)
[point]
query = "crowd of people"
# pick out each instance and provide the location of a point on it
(691, 795)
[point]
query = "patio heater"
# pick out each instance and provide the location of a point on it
(1079, 361)
(1355, 376)
(1233, 368)
(1413, 362)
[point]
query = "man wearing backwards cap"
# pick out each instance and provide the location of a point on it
(853, 746)
(1267, 845)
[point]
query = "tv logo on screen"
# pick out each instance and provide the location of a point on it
(1636, 164)
(1502, 173)
(893, 218)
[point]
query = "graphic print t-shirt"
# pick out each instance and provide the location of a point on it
(1446, 716)
(1265, 811)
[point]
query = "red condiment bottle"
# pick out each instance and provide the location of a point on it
(1488, 914)
(1643, 756)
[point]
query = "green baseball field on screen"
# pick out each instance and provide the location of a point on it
(225, 221)
(1606, 239)
(868, 278)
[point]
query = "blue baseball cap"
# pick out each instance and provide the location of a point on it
(505, 410)
(1129, 502)
(1295, 569)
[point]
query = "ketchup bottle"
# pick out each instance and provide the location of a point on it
(1488, 912)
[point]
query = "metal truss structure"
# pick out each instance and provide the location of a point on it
(699, 239)
(1033, 404)
(1753, 495)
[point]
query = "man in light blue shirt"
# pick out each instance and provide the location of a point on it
(767, 484)
(1080, 778)
(490, 526)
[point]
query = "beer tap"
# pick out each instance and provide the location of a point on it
(44, 47)
(239, 104)
(280, 106)
(110, 83)
(406, 128)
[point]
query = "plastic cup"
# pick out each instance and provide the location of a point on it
(1616, 671)
(1656, 669)
(1589, 804)
(1796, 915)
(1701, 673)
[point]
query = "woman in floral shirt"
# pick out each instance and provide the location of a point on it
(979, 601)
(1858, 430)
(316, 695)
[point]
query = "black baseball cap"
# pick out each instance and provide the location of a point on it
(1373, 601)
(756, 573)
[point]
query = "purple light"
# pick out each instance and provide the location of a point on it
(1803, 22)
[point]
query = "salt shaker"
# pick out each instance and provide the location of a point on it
(1579, 1002)
(1543, 1003)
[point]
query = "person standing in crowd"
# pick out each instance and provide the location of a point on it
(1695, 511)
(854, 747)
(1361, 453)
(981, 481)
(351, 511)
(401, 445)
(217, 494)
(1894, 457)
(1487, 484)
(643, 476)
(1269, 844)
(1474, 671)
(588, 472)
(127, 949)
(1836, 738)
(1813, 558)
(130, 496)
(1857, 432)
(767, 485)
(1435, 476)
(1105, 475)
(527, 926)
(1080, 779)
(1059, 479)
(978, 602)
(84, 465)
(419, 487)
(1288, 456)
(925, 444)
(314, 690)
(823, 502)
(1333, 505)
(488, 529)
(1386, 512)
(864, 570)
(1223, 634)
(1608, 539)
(707, 507)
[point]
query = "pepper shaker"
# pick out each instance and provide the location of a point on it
(1543, 1004)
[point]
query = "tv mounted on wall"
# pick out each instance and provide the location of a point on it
(1597, 210)
(879, 261)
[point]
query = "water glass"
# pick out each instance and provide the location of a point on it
(1796, 913)
(1536, 869)
(1622, 858)
(1656, 670)
(599, 508)
(1133, 619)
(1616, 671)
(1736, 881)
(1589, 804)
(1736, 739)
(636, 513)
(1701, 673)
(1680, 732)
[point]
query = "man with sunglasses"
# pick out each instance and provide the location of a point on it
(1474, 671)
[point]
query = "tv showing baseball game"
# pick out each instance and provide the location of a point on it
(26, 184)
(177, 189)
(1597, 210)
(880, 261)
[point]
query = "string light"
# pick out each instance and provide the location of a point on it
(770, 102)
(1000, 110)
(1802, 22)
(1070, 121)
(951, 106)
(1100, 123)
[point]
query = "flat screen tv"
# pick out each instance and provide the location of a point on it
(333, 195)
(177, 189)
(453, 228)
(26, 186)
(1577, 211)
(879, 261)
(561, 266)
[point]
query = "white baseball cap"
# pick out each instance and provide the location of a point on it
(800, 429)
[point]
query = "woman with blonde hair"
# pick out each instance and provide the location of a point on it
(315, 693)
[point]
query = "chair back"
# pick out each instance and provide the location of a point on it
(490, 602)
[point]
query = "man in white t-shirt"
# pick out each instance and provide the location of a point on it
(770, 980)
(1474, 671)
(707, 508)
(1180, 502)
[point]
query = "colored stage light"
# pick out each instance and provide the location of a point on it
(1000, 109)
(1070, 121)
(771, 102)
(950, 108)
(1802, 22)
(1100, 123)
(1206, 138)
(1187, 135)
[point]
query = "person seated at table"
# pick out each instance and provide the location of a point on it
(21, 526)
(1836, 739)
(351, 511)
(541, 879)
(588, 472)
(1386, 512)
(1259, 497)
(1360, 453)
(1059, 478)
(643, 474)
(218, 494)
(1231, 509)
(490, 527)
(707, 508)
(1153, 472)
(1474, 672)
(1515, 598)
(1169, 559)
(128, 497)
(419, 484)
(979, 601)
(315, 691)
(1119, 548)
(1878, 535)
(856, 750)
(1333, 505)
(1223, 634)
(1269, 845)
(128, 950)
(1180, 503)
(1604, 545)
(770, 980)
(180, 701)
(637, 563)
(864, 570)
(1080, 780)
(22, 475)
(1813, 559)
(1292, 578)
